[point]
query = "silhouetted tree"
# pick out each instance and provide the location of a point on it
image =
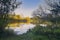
(6, 7)
(55, 10)
(53, 16)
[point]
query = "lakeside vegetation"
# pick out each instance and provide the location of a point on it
(49, 32)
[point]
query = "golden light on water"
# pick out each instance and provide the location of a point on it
(17, 21)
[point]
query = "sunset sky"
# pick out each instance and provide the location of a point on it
(27, 7)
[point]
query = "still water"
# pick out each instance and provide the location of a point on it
(22, 28)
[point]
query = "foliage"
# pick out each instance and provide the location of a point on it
(54, 12)
(6, 7)
(38, 33)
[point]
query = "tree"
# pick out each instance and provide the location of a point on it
(41, 15)
(55, 10)
(53, 16)
(53, 6)
(6, 7)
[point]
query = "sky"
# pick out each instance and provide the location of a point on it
(27, 7)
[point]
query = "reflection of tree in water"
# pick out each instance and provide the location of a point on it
(15, 21)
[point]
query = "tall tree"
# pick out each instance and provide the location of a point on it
(40, 14)
(6, 6)
(55, 10)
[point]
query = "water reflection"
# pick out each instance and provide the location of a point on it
(19, 25)
(22, 28)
